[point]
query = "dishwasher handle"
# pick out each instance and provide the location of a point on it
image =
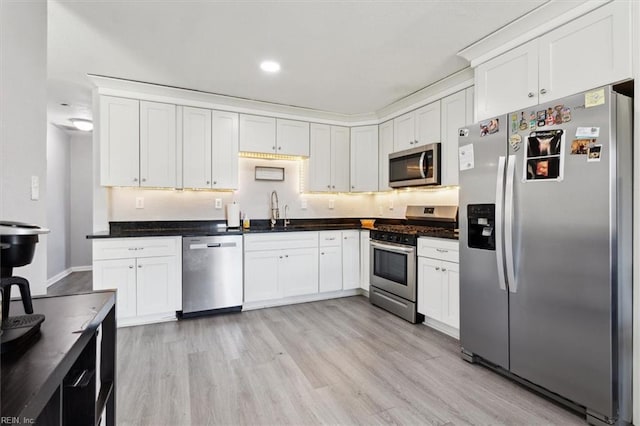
(200, 246)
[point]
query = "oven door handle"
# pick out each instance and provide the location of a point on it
(394, 249)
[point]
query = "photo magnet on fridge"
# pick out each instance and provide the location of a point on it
(543, 158)
(594, 153)
(581, 146)
(489, 127)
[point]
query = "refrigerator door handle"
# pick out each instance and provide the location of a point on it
(499, 208)
(508, 225)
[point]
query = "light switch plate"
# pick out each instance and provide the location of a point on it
(35, 188)
(139, 202)
(218, 203)
(303, 203)
(332, 204)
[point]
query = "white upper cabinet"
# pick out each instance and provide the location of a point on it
(292, 137)
(339, 159)
(224, 150)
(196, 147)
(454, 115)
(428, 124)
(507, 82)
(385, 147)
(274, 136)
(158, 145)
(364, 159)
(257, 134)
(119, 129)
(404, 132)
(329, 158)
(592, 51)
(419, 127)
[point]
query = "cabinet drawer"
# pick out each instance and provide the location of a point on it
(330, 238)
(437, 248)
(120, 248)
(280, 240)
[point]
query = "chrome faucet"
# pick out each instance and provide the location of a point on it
(286, 221)
(275, 211)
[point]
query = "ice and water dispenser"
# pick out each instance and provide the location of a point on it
(481, 226)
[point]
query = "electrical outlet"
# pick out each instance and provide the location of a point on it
(303, 203)
(332, 204)
(218, 203)
(391, 205)
(139, 202)
(35, 188)
(380, 211)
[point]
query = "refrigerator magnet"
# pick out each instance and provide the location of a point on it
(543, 157)
(514, 125)
(581, 146)
(594, 98)
(587, 132)
(515, 141)
(465, 157)
(489, 127)
(594, 153)
(542, 118)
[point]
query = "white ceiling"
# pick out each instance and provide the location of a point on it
(348, 57)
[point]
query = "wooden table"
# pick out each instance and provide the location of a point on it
(68, 375)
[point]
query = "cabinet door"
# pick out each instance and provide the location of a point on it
(364, 159)
(224, 171)
(196, 147)
(119, 129)
(451, 293)
(330, 269)
(292, 137)
(158, 145)
(454, 116)
(603, 35)
(339, 159)
(507, 82)
(257, 134)
(428, 124)
(298, 272)
(156, 285)
(404, 132)
(350, 259)
(119, 274)
(385, 148)
(319, 171)
(365, 260)
(261, 276)
(430, 293)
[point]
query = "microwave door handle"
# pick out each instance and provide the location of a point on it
(422, 173)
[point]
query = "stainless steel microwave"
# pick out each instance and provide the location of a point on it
(418, 166)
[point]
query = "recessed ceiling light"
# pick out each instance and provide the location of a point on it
(82, 124)
(270, 66)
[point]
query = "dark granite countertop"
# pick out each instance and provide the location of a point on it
(188, 228)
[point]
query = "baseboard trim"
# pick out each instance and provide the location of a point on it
(54, 279)
(249, 306)
(441, 327)
(81, 268)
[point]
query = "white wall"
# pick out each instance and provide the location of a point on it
(23, 118)
(254, 197)
(58, 196)
(81, 196)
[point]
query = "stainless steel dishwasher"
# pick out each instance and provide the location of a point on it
(211, 274)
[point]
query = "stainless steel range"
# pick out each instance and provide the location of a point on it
(393, 266)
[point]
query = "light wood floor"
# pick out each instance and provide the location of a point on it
(341, 361)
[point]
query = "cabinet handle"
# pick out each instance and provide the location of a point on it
(273, 148)
(330, 238)
(286, 255)
(437, 268)
(144, 179)
(530, 94)
(329, 186)
(280, 257)
(444, 270)
(345, 238)
(130, 266)
(334, 187)
(139, 266)
(208, 182)
(543, 91)
(279, 148)
(215, 182)
(132, 248)
(322, 253)
(442, 250)
(135, 179)
(353, 187)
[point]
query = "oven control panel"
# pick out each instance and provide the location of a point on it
(394, 237)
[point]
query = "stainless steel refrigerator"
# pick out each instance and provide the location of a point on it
(546, 249)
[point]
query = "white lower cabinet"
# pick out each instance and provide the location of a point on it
(298, 271)
(147, 280)
(350, 260)
(261, 276)
(365, 260)
(330, 269)
(439, 285)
